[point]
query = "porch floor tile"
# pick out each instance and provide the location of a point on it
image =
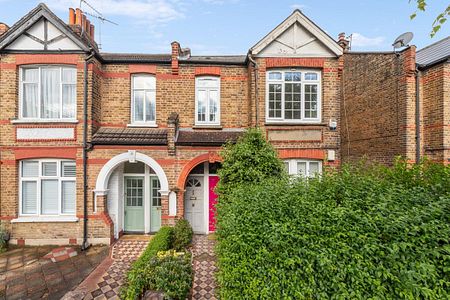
(204, 265)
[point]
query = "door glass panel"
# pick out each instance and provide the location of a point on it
(135, 192)
(156, 196)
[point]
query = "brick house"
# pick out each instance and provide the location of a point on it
(397, 104)
(94, 145)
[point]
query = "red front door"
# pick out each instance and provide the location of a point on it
(213, 180)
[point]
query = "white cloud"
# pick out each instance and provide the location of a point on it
(298, 6)
(361, 41)
(148, 11)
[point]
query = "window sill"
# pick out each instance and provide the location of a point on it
(204, 126)
(33, 121)
(46, 219)
(142, 125)
(282, 123)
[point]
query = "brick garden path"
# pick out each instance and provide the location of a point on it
(204, 264)
(106, 280)
(25, 274)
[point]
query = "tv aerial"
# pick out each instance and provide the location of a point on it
(99, 16)
(403, 40)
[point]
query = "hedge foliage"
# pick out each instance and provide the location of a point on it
(365, 232)
(137, 281)
(182, 235)
(362, 233)
(251, 159)
(161, 269)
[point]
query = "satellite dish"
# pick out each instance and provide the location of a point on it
(403, 40)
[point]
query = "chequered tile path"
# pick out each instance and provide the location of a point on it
(124, 252)
(204, 264)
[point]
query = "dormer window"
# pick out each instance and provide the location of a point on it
(293, 96)
(143, 98)
(48, 93)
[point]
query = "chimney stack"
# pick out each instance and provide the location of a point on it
(3, 28)
(175, 55)
(80, 24)
(343, 41)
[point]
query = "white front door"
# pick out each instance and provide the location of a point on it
(194, 203)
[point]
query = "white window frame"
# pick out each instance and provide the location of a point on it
(207, 122)
(303, 82)
(145, 122)
(38, 181)
(293, 167)
(39, 118)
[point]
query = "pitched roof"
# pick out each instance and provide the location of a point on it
(135, 57)
(434, 53)
(298, 16)
(217, 59)
(130, 136)
(206, 138)
(42, 11)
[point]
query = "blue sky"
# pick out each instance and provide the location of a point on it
(233, 26)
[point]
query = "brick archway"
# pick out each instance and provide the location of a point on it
(207, 157)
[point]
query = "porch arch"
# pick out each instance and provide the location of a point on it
(101, 187)
(207, 157)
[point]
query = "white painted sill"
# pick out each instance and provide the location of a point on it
(142, 125)
(42, 121)
(46, 219)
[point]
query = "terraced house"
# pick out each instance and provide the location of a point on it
(95, 145)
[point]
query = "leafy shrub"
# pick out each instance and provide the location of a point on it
(182, 234)
(4, 238)
(171, 273)
(251, 159)
(136, 280)
(361, 233)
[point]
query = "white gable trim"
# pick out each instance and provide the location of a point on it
(295, 17)
(21, 27)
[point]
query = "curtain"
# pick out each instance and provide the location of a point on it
(30, 93)
(69, 92)
(150, 99)
(68, 197)
(29, 197)
(49, 196)
(50, 83)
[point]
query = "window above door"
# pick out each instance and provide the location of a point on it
(207, 100)
(143, 100)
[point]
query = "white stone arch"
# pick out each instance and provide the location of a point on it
(101, 187)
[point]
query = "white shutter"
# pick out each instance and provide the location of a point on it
(49, 196)
(68, 196)
(30, 169)
(49, 169)
(29, 197)
(68, 169)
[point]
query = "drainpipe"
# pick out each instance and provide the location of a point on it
(85, 244)
(418, 142)
(256, 66)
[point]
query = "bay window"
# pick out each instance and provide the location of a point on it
(207, 100)
(303, 167)
(47, 187)
(48, 93)
(293, 96)
(143, 107)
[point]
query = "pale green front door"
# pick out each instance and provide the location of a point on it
(155, 218)
(134, 204)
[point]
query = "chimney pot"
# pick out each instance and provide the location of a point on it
(78, 16)
(341, 36)
(71, 16)
(88, 27)
(92, 31)
(83, 22)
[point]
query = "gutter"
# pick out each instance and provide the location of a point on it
(418, 140)
(86, 148)
(255, 65)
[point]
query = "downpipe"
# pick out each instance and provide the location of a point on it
(418, 137)
(256, 67)
(85, 245)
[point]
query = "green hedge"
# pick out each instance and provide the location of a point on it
(136, 280)
(362, 233)
(182, 235)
